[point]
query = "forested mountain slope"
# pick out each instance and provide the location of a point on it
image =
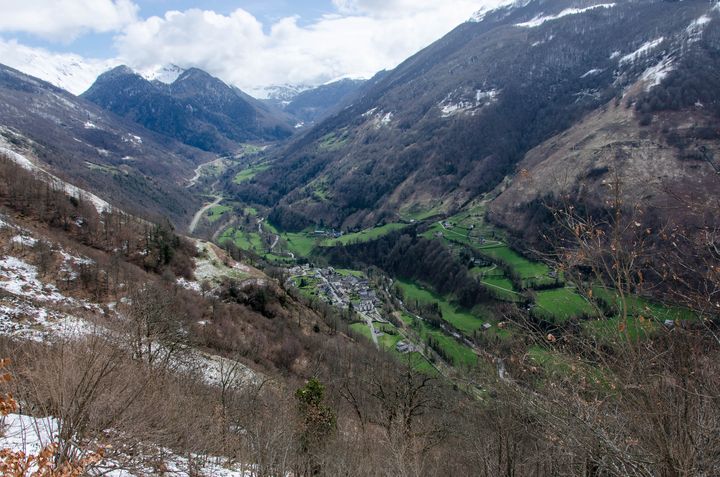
(95, 150)
(450, 123)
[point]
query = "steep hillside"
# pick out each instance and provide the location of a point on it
(668, 170)
(85, 145)
(135, 352)
(657, 147)
(195, 108)
(451, 122)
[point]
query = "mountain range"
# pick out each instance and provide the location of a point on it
(502, 93)
(500, 257)
(451, 123)
(195, 108)
(82, 143)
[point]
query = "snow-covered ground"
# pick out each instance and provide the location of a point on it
(644, 49)
(459, 102)
(540, 19)
(37, 310)
(21, 279)
(33, 308)
(695, 29)
(21, 433)
(379, 118)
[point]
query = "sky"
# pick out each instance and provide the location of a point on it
(251, 43)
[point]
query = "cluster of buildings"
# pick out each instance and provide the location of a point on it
(342, 289)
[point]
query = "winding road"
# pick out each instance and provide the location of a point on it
(199, 169)
(199, 213)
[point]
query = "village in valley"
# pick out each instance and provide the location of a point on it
(349, 290)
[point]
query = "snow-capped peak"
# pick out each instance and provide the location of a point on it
(279, 92)
(67, 71)
(165, 74)
(479, 15)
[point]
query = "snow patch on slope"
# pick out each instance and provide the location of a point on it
(24, 240)
(695, 29)
(539, 20)
(480, 14)
(644, 49)
(592, 72)
(21, 279)
(379, 118)
(133, 139)
(451, 105)
(655, 74)
(99, 204)
(23, 320)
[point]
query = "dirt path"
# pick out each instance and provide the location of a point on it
(199, 213)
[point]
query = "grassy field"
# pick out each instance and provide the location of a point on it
(278, 259)
(459, 354)
(214, 213)
(555, 362)
(301, 244)
(308, 286)
(468, 229)
(638, 306)
(488, 271)
(247, 174)
(613, 329)
(347, 273)
(361, 329)
(561, 304)
(251, 149)
(364, 235)
(501, 288)
(332, 141)
(527, 269)
(243, 240)
(459, 318)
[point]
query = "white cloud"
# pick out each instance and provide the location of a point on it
(65, 19)
(389, 7)
(358, 39)
(364, 37)
(70, 72)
